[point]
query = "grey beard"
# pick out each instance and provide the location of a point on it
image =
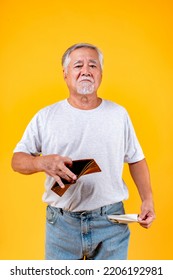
(85, 88)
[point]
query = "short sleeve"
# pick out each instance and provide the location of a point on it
(31, 141)
(133, 150)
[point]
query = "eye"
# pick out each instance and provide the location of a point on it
(92, 65)
(78, 66)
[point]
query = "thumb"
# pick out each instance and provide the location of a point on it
(143, 215)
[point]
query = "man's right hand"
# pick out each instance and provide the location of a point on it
(57, 167)
(53, 165)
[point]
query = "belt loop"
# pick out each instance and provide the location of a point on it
(61, 210)
(101, 210)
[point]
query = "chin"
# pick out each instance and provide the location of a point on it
(86, 93)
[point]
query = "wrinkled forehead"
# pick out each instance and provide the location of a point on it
(84, 54)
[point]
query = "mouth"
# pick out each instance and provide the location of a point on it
(86, 81)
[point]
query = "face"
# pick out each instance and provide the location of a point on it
(83, 74)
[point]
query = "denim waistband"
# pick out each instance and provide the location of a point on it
(99, 211)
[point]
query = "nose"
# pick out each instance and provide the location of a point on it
(85, 71)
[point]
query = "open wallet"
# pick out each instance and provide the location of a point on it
(79, 168)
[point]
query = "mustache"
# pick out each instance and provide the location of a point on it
(86, 79)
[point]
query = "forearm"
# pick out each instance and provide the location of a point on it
(140, 174)
(141, 177)
(25, 163)
(53, 165)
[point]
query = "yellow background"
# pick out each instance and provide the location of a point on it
(137, 42)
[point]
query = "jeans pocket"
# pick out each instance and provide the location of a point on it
(51, 215)
(116, 209)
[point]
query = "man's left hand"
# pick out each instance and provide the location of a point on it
(147, 215)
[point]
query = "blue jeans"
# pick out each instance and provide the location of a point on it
(73, 235)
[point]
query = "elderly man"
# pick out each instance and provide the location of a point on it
(85, 126)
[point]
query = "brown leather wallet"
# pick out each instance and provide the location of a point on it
(79, 168)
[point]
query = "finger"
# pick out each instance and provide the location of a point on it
(145, 225)
(148, 217)
(146, 221)
(143, 215)
(67, 172)
(59, 181)
(66, 177)
(67, 161)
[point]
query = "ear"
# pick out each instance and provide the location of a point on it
(64, 74)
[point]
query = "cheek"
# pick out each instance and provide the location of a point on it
(98, 79)
(71, 79)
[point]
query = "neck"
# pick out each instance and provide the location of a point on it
(85, 102)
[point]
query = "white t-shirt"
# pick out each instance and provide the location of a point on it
(105, 134)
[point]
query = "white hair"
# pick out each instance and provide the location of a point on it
(66, 56)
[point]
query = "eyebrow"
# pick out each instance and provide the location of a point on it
(81, 61)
